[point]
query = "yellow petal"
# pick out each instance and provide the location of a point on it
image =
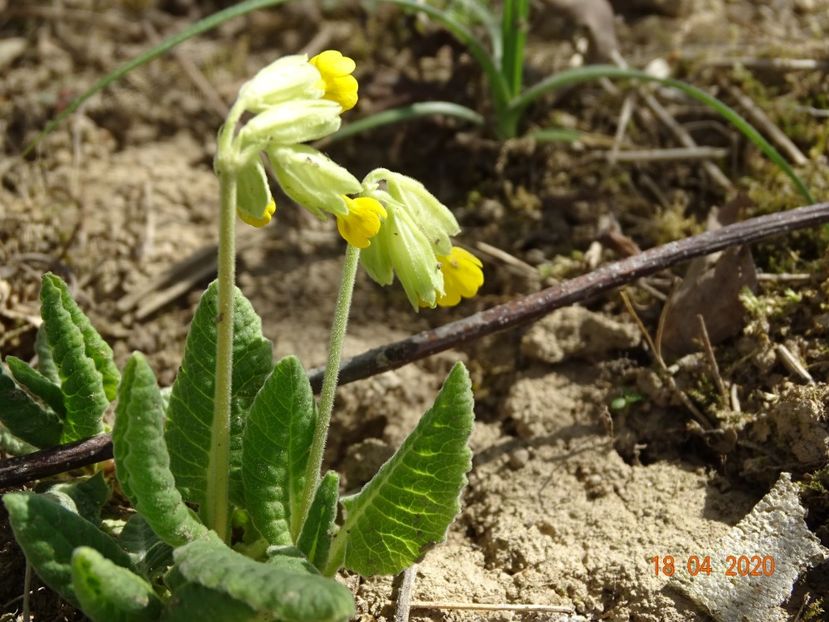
(462, 276)
(335, 70)
(365, 215)
(259, 222)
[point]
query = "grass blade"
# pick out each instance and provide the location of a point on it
(406, 113)
(208, 23)
(595, 72)
(498, 84)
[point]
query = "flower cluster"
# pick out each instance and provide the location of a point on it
(403, 229)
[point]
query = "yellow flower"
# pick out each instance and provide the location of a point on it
(462, 276)
(258, 222)
(362, 221)
(336, 69)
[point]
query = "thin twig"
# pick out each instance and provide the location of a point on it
(761, 119)
(780, 64)
(403, 602)
(194, 74)
(712, 360)
(515, 313)
(22, 469)
(664, 372)
(792, 363)
(424, 604)
(663, 155)
(676, 129)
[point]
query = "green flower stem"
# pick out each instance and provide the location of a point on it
(329, 379)
(216, 511)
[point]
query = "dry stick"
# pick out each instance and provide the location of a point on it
(403, 603)
(664, 372)
(761, 119)
(663, 155)
(712, 360)
(679, 132)
(491, 607)
(521, 311)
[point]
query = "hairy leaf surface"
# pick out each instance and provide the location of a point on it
(191, 602)
(89, 495)
(24, 419)
(279, 431)
(141, 458)
(48, 533)
(190, 412)
(289, 593)
(37, 384)
(89, 378)
(315, 540)
(150, 555)
(109, 593)
(45, 360)
(408, 505)
(13, 445)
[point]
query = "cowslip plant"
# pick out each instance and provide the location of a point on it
(233, 518)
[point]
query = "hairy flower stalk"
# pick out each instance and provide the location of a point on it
(293, 100)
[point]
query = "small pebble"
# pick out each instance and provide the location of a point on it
(518, 459)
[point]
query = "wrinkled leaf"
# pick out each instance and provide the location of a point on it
(24, 419)
(37, 384)
(88, 374)
(190, 412)
(279, 431)
(48, 534)
(149, 553)
(45, 360)
(141, 458)
(191, 602)
(409, 504)
(109, 593)
(289, 593)
(315, 540)
(12, 445)
(89, 495)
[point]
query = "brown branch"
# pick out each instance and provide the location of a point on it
(521, 311)
(39, 464)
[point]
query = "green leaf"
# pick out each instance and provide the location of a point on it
(319, 527)
(37, 384)
(409, 504)
(149, 554)
(89, 378)
(89, 494)
(24, 419)
(497, 82)
(45, 360)
(141, 459)
(191, 602)
(48, 534)
(595, 72)
(109, 593)
(289, 593)
(279, 431)
(190, 413)
(12, 445)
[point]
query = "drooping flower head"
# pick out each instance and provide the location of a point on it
(293, 100)
(414, 243)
